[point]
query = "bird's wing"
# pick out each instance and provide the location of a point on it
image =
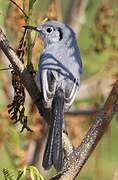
(46, 79)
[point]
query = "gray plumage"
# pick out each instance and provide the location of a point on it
(58, 78)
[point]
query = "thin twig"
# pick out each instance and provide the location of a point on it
(19, 175)
(83, 112)
(19, 8)
(5, 69)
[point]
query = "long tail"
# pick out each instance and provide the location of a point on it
(53, 154)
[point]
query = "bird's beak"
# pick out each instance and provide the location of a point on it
(35, 28)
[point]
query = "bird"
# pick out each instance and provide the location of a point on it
(58, 78)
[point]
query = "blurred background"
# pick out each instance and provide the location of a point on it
(96, 25)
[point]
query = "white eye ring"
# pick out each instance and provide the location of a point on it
(49, 29)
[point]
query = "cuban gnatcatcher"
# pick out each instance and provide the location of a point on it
(58, 78)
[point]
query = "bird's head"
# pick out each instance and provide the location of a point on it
(53, 32)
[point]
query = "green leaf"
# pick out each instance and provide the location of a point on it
(35, 173)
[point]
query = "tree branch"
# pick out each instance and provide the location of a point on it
(76, 160)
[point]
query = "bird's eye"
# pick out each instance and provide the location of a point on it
(49, 29)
